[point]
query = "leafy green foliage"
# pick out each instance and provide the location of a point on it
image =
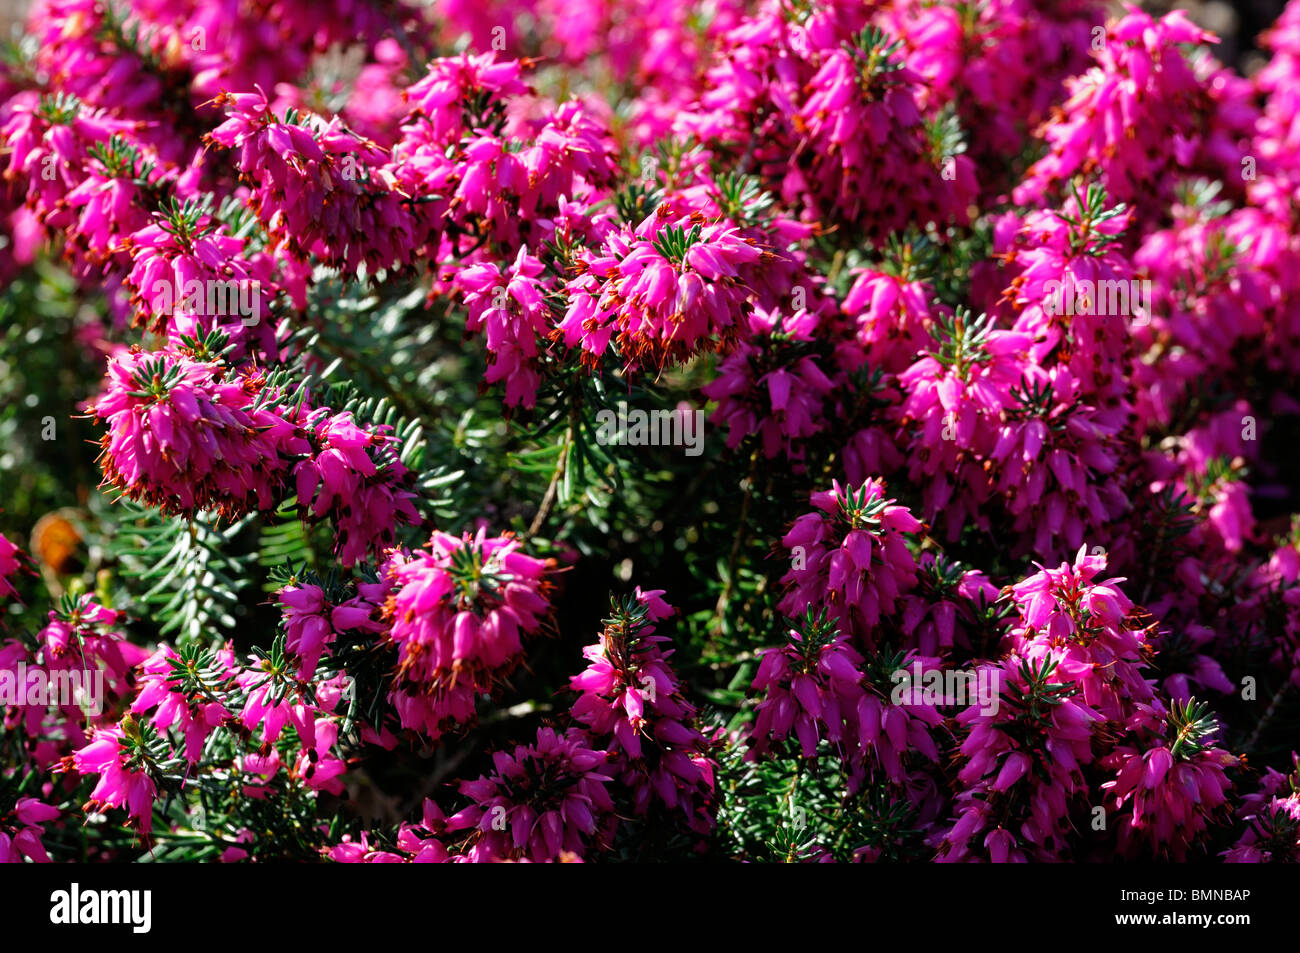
(183, 571)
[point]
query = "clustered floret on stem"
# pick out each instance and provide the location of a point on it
(991, 300)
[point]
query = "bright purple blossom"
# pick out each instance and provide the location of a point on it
(774, 385)
(1193, 117)
(662, 291)
(538, 801)
(458, 614)
(184, 435)
(811, 687)
(124, 778)
(850, 557)
(508, 304)
(354, 476)
(632, 703)
(21, 830)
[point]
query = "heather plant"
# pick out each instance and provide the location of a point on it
(950, 514)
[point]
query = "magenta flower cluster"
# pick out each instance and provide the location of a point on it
(994, 308)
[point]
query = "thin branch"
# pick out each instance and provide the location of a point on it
(552, 491)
